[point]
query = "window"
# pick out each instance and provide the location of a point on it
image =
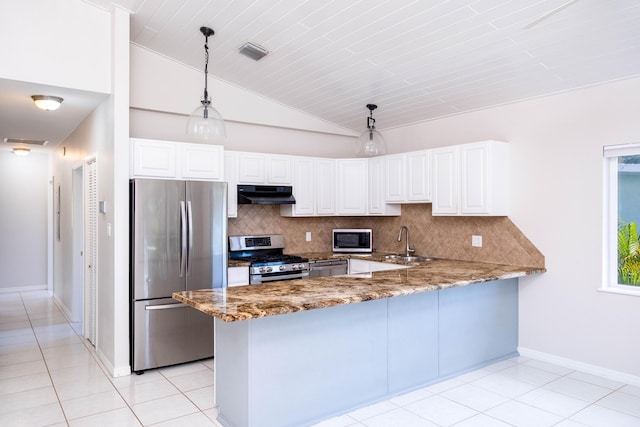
(622, 219)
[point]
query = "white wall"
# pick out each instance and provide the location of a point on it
(254, 123)
(55, 42)
(104, 134)
(23, 221)
(556, 199)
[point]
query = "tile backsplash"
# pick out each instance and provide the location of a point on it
(445, 237)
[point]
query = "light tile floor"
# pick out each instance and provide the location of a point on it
(48, 376)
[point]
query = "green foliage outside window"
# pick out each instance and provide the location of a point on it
(628, 254)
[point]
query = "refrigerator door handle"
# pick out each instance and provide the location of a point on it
(190, 251)
(165, 306)
(183, 238)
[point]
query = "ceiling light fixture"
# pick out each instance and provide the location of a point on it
(21, 151)
(371, 143)
(205, 123)
(46, 102)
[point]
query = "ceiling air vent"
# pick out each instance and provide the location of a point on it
(253, 51)
(25, 141)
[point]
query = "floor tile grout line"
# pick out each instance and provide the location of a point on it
(46, 364)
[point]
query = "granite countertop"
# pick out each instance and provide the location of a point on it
(248, 302)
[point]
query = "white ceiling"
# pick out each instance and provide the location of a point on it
(417, 60)
(20, 118)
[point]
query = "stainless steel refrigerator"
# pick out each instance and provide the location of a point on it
(178, 243)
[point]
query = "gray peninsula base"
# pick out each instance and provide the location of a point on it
(300, 368)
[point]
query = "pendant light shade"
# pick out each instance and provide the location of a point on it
(205, 123)
(370, 143)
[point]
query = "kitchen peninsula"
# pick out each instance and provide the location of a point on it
(295, 352)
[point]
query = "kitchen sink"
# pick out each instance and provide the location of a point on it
(410, 258)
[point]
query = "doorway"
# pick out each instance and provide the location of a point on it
(84, 248)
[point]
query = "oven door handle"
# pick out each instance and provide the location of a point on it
(284, 277)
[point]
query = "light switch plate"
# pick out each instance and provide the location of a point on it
(476, 241)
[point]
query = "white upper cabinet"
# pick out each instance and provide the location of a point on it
(408, 177)
(176, 160)
(304, 187)
(260, 168)
(353, 186)
(445, 181)
(198, 161)
(314, 187)
(471, 179)
(279, 169)
(325, 187)
(251, 168)
(377, 185)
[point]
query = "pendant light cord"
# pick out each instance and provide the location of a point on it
(205, 101)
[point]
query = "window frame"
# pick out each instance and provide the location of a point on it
(610, 218)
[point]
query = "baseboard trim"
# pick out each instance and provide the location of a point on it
(581, 366)
(115, 372)
(24, 289)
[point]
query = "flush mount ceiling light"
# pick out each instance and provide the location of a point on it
(205, 123)
(46, 102)
(21, 151)
(371, 143)
(253, 51)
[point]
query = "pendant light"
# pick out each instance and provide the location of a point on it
(371, 143)
(205, 123)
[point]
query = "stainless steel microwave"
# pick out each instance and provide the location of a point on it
(352, 240)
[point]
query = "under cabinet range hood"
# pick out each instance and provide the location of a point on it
(265, 195)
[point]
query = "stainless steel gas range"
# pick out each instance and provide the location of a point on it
(268, 262)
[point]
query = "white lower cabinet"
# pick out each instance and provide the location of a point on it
(357, 266)
(237, 276)
(471, 179)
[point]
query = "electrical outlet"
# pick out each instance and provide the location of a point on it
(476, 241)
(308, 236)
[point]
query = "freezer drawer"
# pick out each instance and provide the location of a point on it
(166, 332)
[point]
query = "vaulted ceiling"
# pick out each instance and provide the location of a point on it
(416, 59)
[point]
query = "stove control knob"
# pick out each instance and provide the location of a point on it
(294, 266)
(261, 269)
(282, 268)
(269, 269)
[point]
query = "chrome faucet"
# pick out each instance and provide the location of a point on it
(407, 249)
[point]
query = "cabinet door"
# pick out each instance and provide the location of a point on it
(202, 162)
(230, 175)
(352, 191)
(251, 168)
(418, 176)
(445, 181)
(153, 158)
(474, 182)
(325, 187)
(394, 172)
(237, 276)
(279, 170)
(376, 186)
(304, 189)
